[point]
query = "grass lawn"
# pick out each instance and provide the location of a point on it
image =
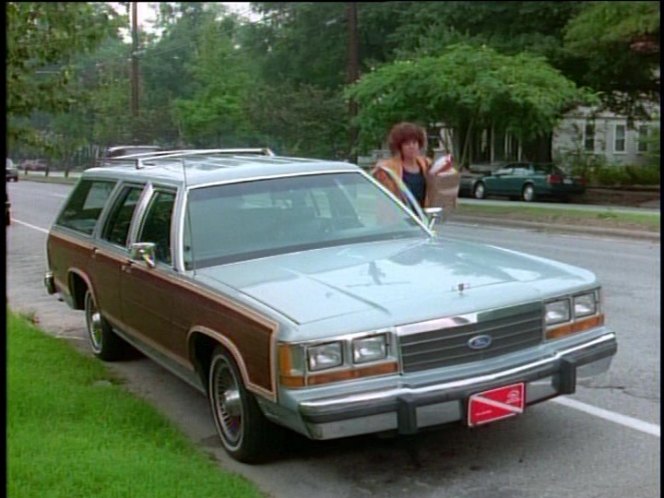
(73, 431)
(608, 218)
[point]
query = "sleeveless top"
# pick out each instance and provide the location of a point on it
(416, 184)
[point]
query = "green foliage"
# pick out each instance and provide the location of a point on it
(616, 47)
(619, 176)
(465, 86)
(211, 79)
(215, 113)
(41, 40)
(509, 27)
(604, 23)
(300, 120)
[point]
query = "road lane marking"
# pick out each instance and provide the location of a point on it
(617, 418)
(633, 423)
(43, 230)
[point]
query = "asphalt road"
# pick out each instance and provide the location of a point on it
(604, 441)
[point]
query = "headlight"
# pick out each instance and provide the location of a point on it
(324, 356)
(585, 305)
(369, 349)
(557, 312)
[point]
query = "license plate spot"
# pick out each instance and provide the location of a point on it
(496, 404)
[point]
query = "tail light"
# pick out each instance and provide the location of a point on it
(551, 179)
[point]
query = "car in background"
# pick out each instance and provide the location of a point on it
(472, 174)
(11, 171)
(529, 181)
(34, 165)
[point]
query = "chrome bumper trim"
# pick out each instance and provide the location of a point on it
(390, 394)
(49, 282)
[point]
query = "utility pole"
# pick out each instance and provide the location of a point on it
(352, 73)
(134, 61)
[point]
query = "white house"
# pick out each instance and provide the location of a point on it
(604, 133)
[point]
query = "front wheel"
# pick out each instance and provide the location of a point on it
(528, 193)
(479, 192)
(242, 427)
(105, 343)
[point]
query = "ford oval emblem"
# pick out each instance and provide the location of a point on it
(479, 342)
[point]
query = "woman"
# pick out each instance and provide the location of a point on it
(406, 141)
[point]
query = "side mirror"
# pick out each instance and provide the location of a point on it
(143, 251)
(434, 214)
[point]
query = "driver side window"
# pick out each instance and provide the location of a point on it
(157, 225)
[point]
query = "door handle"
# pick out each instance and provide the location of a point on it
(126, 267)
(93, 254)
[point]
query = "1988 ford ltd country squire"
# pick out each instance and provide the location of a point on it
(301, 292)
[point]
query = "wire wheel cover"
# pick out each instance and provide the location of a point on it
(227, 402)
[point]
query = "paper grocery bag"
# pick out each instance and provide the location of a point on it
(443, 189)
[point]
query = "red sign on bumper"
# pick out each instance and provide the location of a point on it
(496, 404)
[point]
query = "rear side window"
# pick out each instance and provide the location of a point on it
(84, 206)
(116, 229)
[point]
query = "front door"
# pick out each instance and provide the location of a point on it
(148, 292)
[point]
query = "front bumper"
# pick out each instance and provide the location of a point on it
(408, 409)
(49, 282)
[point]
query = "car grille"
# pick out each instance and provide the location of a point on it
(511, 329)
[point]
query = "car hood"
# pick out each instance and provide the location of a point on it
(409, 279)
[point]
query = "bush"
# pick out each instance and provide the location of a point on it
(610, 176)
(644, 175)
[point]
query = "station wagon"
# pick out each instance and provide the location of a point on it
(301, 294)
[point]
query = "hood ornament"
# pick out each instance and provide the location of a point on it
(461, 287)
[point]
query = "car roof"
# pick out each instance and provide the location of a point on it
(203, 167)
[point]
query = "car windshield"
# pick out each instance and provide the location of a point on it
(240, 221)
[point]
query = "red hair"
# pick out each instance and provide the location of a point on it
(405, 132)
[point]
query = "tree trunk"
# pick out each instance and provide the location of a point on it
(464, 154)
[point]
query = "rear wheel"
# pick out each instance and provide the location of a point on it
(242, 427)
(105, 343)
(528, 193)
(479, 192)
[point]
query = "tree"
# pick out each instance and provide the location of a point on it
(215, 113)
(617, 44)
(467, 88)
(41, 40)
(302, 120)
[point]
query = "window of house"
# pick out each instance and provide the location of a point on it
(589, 137)
(643, 138)
(619, 138)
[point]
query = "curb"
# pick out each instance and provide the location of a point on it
(548, 227)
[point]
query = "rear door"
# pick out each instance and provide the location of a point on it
(111, 251)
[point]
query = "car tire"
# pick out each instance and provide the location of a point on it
(479, 190)
(106, 344)
(243, 429)
(528, 192)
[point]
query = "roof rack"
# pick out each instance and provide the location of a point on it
(141, 158)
